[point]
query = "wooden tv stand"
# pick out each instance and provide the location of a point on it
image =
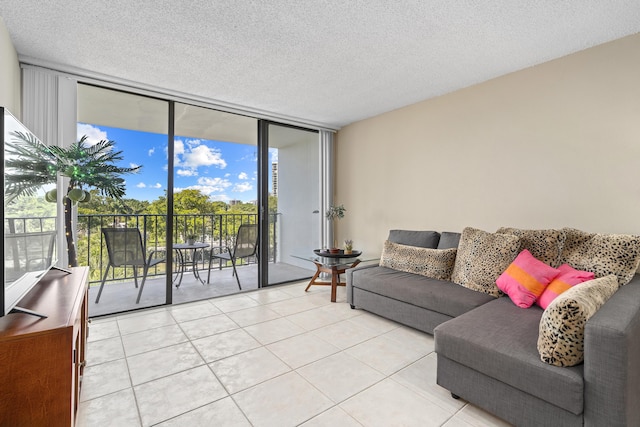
(42, 360)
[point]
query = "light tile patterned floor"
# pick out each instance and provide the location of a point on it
(273, 357)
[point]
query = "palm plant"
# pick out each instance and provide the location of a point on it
(86, 165)
(32, 165)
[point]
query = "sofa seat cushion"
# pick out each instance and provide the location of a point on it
(432, 294)
(499, 340)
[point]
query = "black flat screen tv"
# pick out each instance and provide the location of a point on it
(29, 220)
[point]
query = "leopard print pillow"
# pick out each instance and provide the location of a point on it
(482, 258)
(434, 263)
(545, 245)
(602, 254)
(561, 331)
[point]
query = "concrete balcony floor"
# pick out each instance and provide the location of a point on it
(120, 297)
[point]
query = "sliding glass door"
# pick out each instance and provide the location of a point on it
(214, 197)
(139, 127)
(293, 169)
(228, 202)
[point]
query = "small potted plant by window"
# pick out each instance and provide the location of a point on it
(191, 238)
(333, 213)
(348, 246)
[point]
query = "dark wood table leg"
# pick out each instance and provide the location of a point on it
(335, 273)
(334, 283)
(315, 276)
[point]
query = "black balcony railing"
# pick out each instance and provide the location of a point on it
(218, 230)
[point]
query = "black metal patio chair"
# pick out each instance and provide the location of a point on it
(125, 248)
(245, 246)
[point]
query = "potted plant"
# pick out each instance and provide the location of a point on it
(191, 238)
(348, 246)
(333, 213)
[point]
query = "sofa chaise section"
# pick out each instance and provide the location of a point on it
(497, 367)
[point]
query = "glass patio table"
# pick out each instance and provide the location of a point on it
(333, 265)
(187, 256)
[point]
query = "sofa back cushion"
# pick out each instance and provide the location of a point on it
(481, 259)
(602, 254)
(434, 263)
(448, 240)
(545, 245)
(422, 239)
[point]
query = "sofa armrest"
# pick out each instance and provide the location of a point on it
(349, 272)
(612, 360)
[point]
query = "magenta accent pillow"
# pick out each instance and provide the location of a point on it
(526, 279)
(567, 278)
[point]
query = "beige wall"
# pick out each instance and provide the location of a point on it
(551, 146)
(9, 73)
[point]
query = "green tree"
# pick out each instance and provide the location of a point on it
(273, 204)
(220, 207)
(191, 201)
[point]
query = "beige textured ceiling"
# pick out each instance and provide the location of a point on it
(327, 63)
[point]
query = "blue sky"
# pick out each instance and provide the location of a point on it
(223, 171)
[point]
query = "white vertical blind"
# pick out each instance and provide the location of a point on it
(49, 105)
(49, 110)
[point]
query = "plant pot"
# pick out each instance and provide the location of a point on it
(348, 251)
(191, 241)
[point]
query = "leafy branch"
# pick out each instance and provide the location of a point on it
(30, 164)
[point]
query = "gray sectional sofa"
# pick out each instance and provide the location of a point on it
(487, 347)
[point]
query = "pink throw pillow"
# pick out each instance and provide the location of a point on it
(526, 279)
(568, 278)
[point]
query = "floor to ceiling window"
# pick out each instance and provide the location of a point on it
(294, 199)
(202, 169)
(214, 194)
(138, 126)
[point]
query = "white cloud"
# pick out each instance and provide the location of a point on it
(208, 186)
(204, 156)
(243, 175)
(143, 185)
(241, 187)
(219, 184)
(151, 151)
(193, 154)
(227, 175)
(178, 147)
(133, 165)
(178, 150)
(274, 155)
(94, 135)
(220, 198)
(186, 172)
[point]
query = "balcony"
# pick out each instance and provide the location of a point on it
(217, 230)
